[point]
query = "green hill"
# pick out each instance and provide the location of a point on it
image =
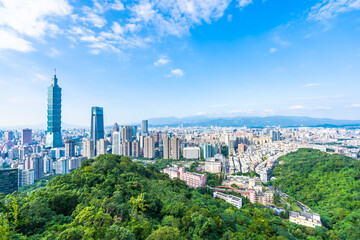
(113, 198)
(329, 184)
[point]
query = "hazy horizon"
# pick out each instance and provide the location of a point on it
(145, 59)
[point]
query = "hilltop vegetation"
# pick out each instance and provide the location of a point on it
(112, 197)
(328, 184)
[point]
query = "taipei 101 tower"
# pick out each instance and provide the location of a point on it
(53, 137)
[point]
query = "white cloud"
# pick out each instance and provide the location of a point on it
(91, 16)
(117, 5)
(296, 107)
(229, 18)
(117, 29)
(32, 17)
(176, 73)
(9, 40)
(244, 3)
(53, 52)
(272, 50)
(312, 84)
(331, 8)
(162, 61)
(40, 78)
(357, 105)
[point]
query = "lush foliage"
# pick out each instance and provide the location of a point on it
(328, 184)
(112, 197)
(249, 174)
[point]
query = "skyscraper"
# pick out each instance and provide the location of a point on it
(26, 136)
(97, 125)
(69, 148)
(53, 137)
(144, 128)
(115, 127)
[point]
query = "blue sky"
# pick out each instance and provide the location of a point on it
(143, 59)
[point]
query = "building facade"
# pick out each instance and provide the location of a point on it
(26, 136)
(144, 128)
(69, 148)
(9, 180)
(53, 136)
(149, 147)
(194, 180)
(97, 125)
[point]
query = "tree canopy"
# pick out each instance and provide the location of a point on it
(111, 197)
(328, 183)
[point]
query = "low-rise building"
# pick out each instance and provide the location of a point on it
(191, 153)
(235, 201)
(305, 219)
(194, 180)
(264, 198)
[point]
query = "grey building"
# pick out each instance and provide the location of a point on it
(144, 128)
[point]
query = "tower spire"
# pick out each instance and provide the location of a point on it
(54, 78)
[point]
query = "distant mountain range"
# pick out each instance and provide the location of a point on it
(204, 121)
(251, 122)
(40, 126)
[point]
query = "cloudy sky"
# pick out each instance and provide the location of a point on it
(155, 58)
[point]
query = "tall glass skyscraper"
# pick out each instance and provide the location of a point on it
(97, 124)
(144, 128)
(53, 137)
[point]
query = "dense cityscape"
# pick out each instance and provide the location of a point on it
(179, 120)
(28, 155)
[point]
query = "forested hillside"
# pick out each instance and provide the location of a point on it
(329, 184)
(113, 198)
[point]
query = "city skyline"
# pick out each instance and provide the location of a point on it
(140, 60)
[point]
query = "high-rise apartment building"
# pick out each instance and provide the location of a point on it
(135, 148)
(156, 136)
(26, 136)
(97, 125)
(116, 143)
(166, 148)
(175, 148)
(101, 147)
(48, 165)
(88, 148)
(149, 147)
(144, 128)
(126, 148)
(69, 148)
(8, 136)
(26, 177)
(126, 133)
(53, 137)
(38, 166)
(275, 135)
